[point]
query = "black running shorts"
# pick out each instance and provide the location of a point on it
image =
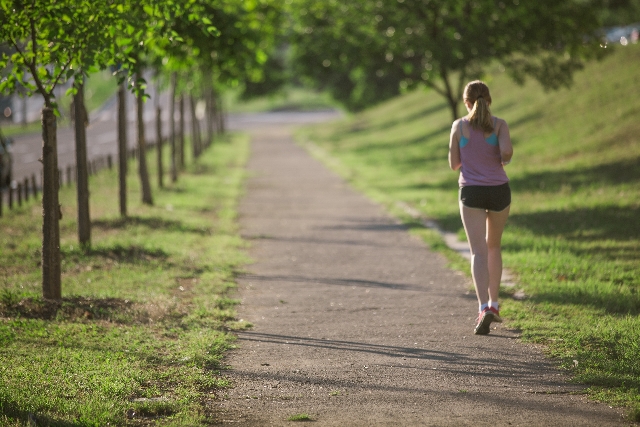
(493, 198)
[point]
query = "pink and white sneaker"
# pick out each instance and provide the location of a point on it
(485, 317)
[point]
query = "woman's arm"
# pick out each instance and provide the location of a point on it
(504, 142)
(454, 147)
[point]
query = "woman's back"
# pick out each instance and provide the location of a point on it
(480, 156)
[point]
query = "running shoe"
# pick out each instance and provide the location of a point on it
(496, 315)
(483, 325)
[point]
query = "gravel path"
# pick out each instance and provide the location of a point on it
(358, 323)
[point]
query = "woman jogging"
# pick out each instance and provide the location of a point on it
(480, 146)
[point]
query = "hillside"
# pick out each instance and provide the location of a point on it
(573, 237)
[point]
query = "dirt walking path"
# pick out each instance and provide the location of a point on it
(357, 323)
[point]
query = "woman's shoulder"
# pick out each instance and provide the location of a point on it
(458, 122)
(499, 122)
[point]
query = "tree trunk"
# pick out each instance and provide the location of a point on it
(209, 107)
(24, 110)
(159, 145)
(51, 288)
(181, 131)
(452, 98)
(122, 149)
(142, 152)
(221, 124)
(82, 178)
(199, 137)
(453, 105)
(214, 112)
(194, 129)
(172, 128)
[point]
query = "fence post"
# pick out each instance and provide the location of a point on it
(1, 201)
(19, 189)
(11, 196)
(34, 187)
(26, 189)
(109, 162)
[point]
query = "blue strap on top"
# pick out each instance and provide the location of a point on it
(491, 139)
(463, 139)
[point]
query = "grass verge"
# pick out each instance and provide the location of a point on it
(146, 314)
(573, 238)
(288, 99)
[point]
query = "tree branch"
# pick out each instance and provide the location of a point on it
(62, 70)
(32, 65)
(461, 82)
(436, 88)
(445, 78)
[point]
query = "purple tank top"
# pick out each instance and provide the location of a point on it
(480, 158)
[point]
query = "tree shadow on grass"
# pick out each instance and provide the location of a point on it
(400, 144)
(129, 254)
(605, 233)
(152, 223)
(202, 169)
(12, 410)
(585, 225)
(613, 303)
(76, 308)
(359, 126)
(422, 114)
(616, 173)
(524, 119)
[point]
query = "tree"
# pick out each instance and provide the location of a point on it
(81, 120)
(45, 54)
(143, 171)
(235, 52)
(159, 139)
(365, 52)
(122, 149)
(172, 128)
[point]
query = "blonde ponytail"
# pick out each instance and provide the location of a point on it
(477, 93)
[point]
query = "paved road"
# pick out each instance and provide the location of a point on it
(102, 138)
(102, 133)
(357, 323)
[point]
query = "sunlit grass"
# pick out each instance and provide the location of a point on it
(288, 99)
(573, 238)
(145, 315)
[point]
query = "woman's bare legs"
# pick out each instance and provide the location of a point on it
(495, 226)
(484, 233)
(475, 223)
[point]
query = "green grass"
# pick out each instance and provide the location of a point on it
(573, 238)
(288, 99)
(146, 314)
(300, 417)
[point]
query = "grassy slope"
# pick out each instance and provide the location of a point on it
(573, 238)
(288, 99)
(145, 314)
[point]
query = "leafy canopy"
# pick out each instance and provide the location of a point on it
(364, 52)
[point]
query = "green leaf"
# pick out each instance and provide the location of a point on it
(126, 41)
